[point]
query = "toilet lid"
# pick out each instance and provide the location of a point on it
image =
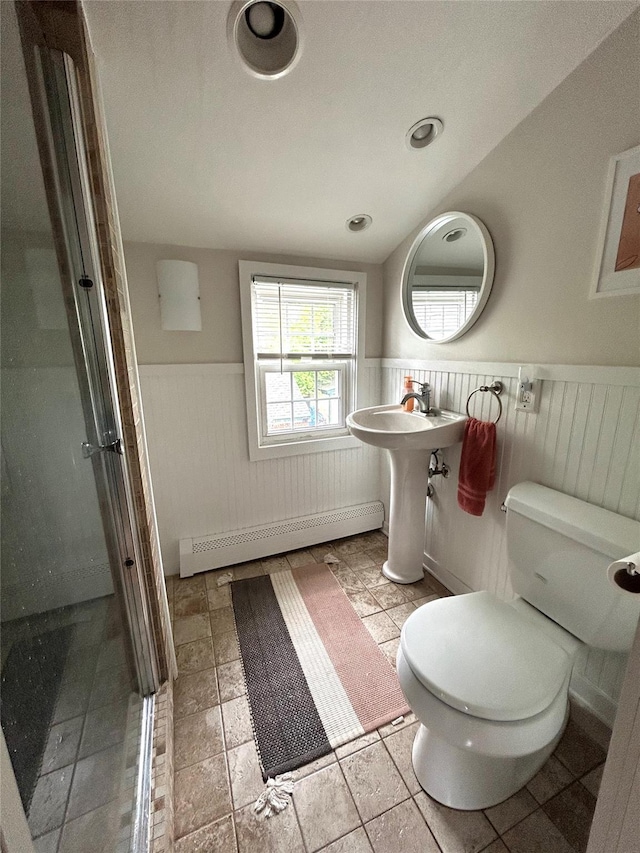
(481, 656)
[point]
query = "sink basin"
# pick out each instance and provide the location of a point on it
(394, 429)
(408, 436)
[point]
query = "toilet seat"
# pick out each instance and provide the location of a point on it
(480, 656)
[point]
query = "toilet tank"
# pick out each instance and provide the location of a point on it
(559, 550)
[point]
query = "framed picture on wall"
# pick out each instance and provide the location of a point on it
(618, 260)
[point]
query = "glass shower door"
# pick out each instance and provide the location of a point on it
(74, 651)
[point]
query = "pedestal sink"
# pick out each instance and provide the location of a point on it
(409, 437)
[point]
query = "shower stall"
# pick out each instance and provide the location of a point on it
(78, 651)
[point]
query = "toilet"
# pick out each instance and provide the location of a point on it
(489, 680)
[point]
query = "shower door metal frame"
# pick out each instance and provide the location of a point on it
(61, 114)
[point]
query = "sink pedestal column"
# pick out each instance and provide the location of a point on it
(409, 481)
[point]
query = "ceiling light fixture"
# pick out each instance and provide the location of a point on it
(265, 36)
(423, 133)
(359, 222)
(455, 234)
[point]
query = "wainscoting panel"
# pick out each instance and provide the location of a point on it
(204, 482)
(584, 441)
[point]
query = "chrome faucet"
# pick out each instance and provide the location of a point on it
(423, 398)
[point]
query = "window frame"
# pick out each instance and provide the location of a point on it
(295, 444)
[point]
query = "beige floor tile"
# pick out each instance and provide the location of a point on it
(190, 628)
(245, 774)
(255, 832)
(389, 595)
(401, 613)
(62, 745)
(359, 560)
(577, 751)
(425, 600)
(359, 743)
(550, 780)
(572, 812)
(363, 602)
(104, 727)
(231, 681)
(325, 807)
(219, 597)
(400, 745)
(319, 552)
(497, 846)
(236, 720)
(222, 621)
(390, 728)
(373, 780)
(313, 766)
(50, 800)
(456, 831)
(420, 589)
(197, 737)
(300, 558)
(100, 826)
(248, 570)
(218, 837)
(201, 795)
(511, 811)
(186, 587)
(348, 580)
(536, 834)
(402, 827)
(381, 627)
(194, 657)
(275, 564)
(354, 842)
(345, 547)
(373, 577)
(593, 779)
(194, 693)
(95, 781)
(226, 648)
(390, 649)
(47, 843)
(378, 554)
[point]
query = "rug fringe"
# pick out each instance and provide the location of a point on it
(276, 796)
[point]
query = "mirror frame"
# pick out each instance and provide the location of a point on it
(487, 278)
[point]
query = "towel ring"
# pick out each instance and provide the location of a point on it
(495, 389)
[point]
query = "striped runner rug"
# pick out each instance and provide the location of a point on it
(315, 677)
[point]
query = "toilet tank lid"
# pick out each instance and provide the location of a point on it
(600, 529)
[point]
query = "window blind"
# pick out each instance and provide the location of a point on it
(441, 312)
(303, 319)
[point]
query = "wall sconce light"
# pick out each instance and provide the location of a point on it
(179, 296)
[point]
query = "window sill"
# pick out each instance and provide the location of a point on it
(301, 448)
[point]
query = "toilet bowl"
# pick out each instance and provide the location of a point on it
(489, 680)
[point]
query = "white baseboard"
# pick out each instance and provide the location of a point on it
(252, 543)
(445, 577)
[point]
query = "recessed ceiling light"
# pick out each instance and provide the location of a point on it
(265, 35)
(423, 133)
(359, 222)
(456, 234)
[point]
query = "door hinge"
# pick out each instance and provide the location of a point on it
(89, 449)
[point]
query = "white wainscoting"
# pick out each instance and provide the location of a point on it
(204, 482)
(584, 441)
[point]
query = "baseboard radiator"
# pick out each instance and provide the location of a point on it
(253, 543)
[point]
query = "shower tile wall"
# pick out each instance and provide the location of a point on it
(584, 441)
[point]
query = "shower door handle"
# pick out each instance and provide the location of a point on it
(89, 449)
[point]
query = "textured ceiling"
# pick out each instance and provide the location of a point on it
(206, 155)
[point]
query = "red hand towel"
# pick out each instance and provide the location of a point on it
(477, 465)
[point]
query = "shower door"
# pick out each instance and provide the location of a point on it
(78, 664)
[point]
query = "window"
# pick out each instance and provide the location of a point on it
(301, 342)
(441, 311)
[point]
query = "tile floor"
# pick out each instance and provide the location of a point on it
(86, 786)
(364, 797)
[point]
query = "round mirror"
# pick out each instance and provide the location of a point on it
(447, 276)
